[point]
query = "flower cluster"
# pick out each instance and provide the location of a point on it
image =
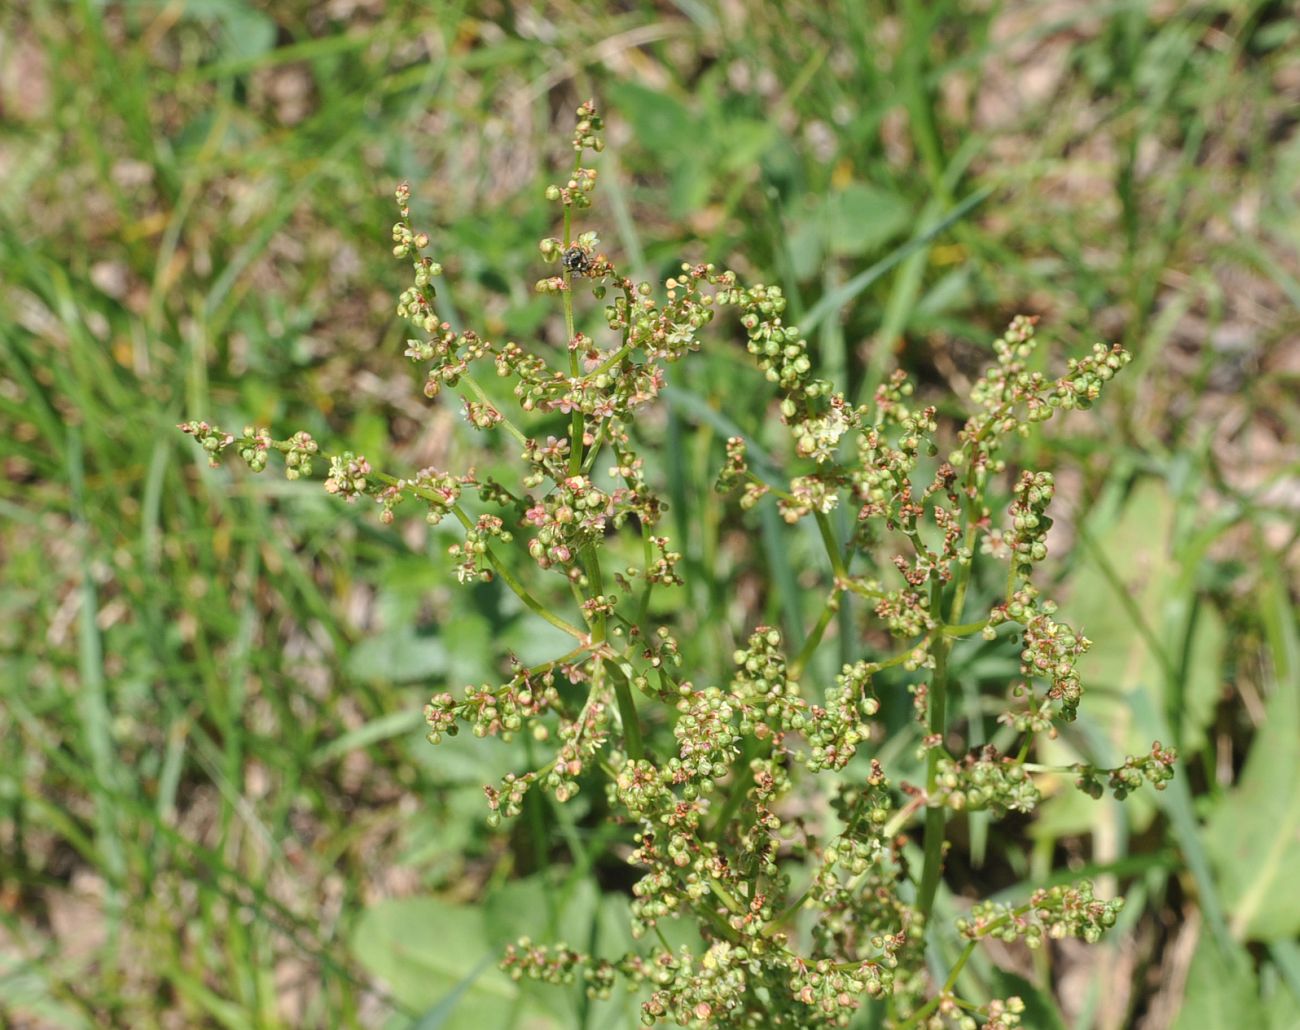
(1155, 768)
(756, 806)
(1051, 914)
(986, 782)
(347, 476)
(211, 439)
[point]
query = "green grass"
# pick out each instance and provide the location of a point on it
(213, 769)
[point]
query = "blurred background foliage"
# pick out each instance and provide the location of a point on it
(216, 804)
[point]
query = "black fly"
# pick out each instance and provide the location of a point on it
(577, 260)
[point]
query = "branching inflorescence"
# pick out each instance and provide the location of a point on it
(797, 930)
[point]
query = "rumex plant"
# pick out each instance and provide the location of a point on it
(799, 921)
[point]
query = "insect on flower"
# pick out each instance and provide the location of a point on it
(577, 260)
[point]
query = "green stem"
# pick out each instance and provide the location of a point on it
(810, 645)
(919, 1015)
(900, 818)
(591, 561)
(1077, 768)
(499, 568)
(725, 896)
(478, 391)
(739, 788)
(519, 590)
(832, 546)
(594, 453)
(898, 659)
(864, 591)
(627, 712)
(841, 572)
(647, 588)
(555, 663)
(936, 817)
(533, 605)
(916, 1017)
(965, 629)
(611, 361)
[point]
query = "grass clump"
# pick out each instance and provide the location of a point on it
(215, 806)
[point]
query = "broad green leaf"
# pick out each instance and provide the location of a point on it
(533, 641)
(404, 651)
(247, 33)
(465, 759)
(862, 218)
(1140, 551)
(436, 840)
(805, 241)
(850, 222)
(540, 905)
(439, 1016)
(471, 650)
(403, 655)
(1253, 833)
(1219, 995)
(1281, 1008)
(549, 912)
(583, 918)
(661, 122)
(714, 144)
(741, 142)
(1133, 572)
(424, 950)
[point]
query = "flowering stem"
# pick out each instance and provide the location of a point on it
(936, 817)
(899, 659)
(724, 859)
(498, 566)
(576, 427)
(919, 1015)
(901, 817)
(534, 605)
